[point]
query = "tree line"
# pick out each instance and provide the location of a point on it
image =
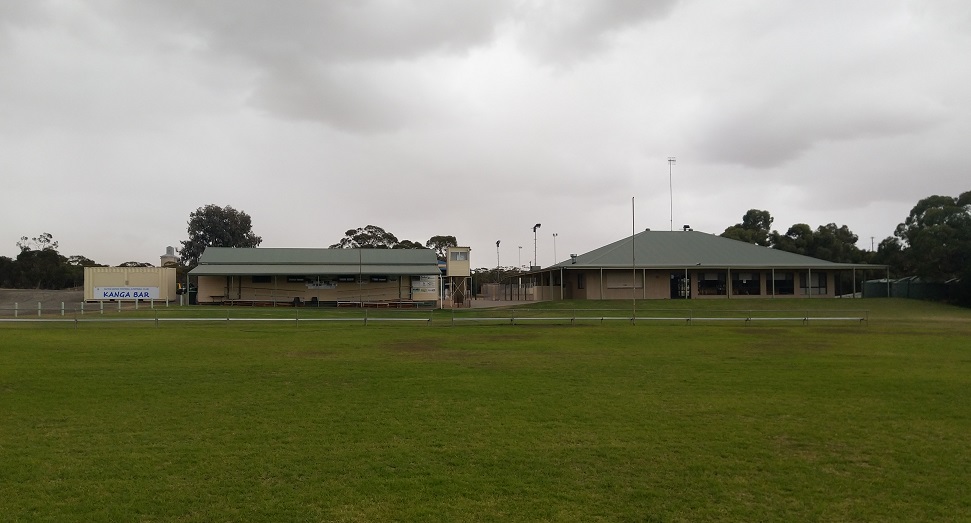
(933, 242)
(40, 266)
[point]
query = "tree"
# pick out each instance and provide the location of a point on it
(214, 226)
(42, 269)
(370, 237)
(936, 238)
(440, 245)
(40, 266)
(797, 239)
(43, 242)
(890, 252)
(754, 228)
(828, 242)
(136, 264)
(836, 244)
(408, 244)
(81, 261)
(8, 269)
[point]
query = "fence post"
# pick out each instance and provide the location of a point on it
(38, 309)
(119, 305)
(62, 308)
(16, 309)
(82, 308)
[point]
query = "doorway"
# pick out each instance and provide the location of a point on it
(680, 286)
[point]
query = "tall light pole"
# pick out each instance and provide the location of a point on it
(497, 261)
(554, 248)
(671, 161)
(537, 226)
(520, 257)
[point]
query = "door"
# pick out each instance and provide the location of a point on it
(680, 286)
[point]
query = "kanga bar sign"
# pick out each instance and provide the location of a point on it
(126, 293)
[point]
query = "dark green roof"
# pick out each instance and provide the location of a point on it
(227, 261)
(682, 249)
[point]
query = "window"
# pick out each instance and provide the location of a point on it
(813, 282)
(711, 283)
(261, 279)
(784, 283)
(581, 281)
(459, 255)
(746, 283)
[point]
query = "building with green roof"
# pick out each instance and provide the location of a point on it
(690, 264)
(317, 276)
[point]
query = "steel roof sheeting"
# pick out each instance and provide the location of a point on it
(682, 249)
(313, 270)
(294, 256)
(226, 261)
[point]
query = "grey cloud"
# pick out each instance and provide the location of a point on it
(331, 32)
(355, 99)
(771, 131)
(338, 63)
(566, 32)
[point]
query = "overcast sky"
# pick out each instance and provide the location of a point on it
(476, 119)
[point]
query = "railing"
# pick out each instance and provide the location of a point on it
(514, 316)
(159, 313)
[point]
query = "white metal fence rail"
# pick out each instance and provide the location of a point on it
(149, 313)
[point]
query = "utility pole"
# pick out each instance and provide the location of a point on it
(554, 248)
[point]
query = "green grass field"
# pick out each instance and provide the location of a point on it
(309, 421)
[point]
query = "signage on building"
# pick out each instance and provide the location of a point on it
(321, 284)
(424, 285)
(127, 293)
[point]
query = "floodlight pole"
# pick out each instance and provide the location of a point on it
(671, 162)
(497, 261)
(554, 248)
(535, 260)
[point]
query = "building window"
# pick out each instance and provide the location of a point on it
(746, 283)
(813, 282)
(261, 279)
(784, 283)
(581, 281)
(459, 255)
(711, 284)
